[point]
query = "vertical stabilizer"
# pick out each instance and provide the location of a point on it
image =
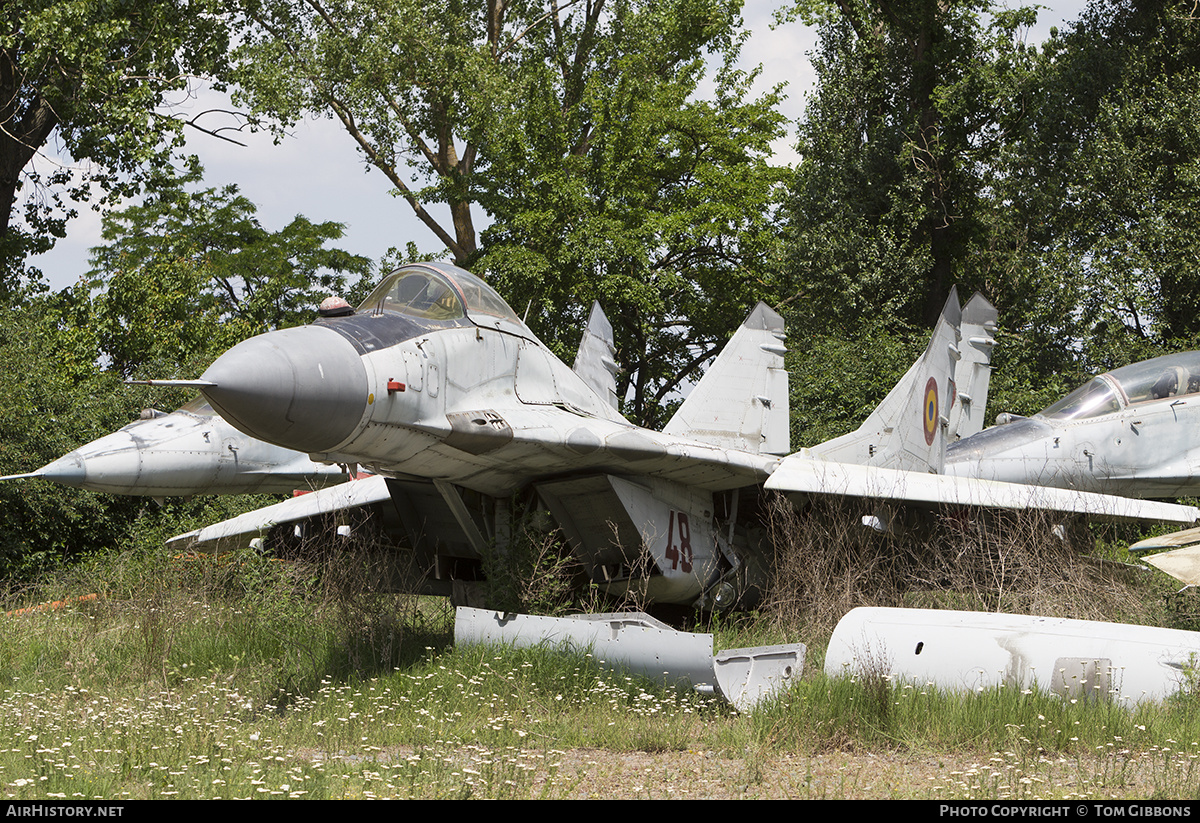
(742, 400)
(908, 429)
(974, 371)
(596, 361)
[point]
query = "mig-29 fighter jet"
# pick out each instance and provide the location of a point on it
(1133, 431)
(469, 423)
(186, 452)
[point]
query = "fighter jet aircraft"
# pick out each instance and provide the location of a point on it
(1134, 431)
(186, 452)
(469, 423)
(193, 451)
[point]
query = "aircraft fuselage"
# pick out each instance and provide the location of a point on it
(1133, 432)
(437, 385)
(186, 453)
(487, 408)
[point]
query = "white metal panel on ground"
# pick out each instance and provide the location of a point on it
(637, 643)
(634, 642)
(968, 651)
(747, 676)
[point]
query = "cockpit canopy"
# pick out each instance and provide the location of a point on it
(198, 406)
(1172, 375)
(438, 291)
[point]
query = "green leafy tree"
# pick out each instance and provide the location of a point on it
(667, 220)
(574, 126)
(414, 83)
(94, 75)
(1088, 206)
(899, 143)
(924, 166)
(186, 275)
(63, 399)
(60, 401)
(836, 379)
(1116, 154)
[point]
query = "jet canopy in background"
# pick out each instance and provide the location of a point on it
(1134, 431)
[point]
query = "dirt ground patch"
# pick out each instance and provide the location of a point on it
(586, 773)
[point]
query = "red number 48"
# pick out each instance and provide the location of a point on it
(680, 556)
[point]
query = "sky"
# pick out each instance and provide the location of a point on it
(318, 172)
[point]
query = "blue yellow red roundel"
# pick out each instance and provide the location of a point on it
(930, 409)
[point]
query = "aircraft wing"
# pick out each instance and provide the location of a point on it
(1182, 564)
(802, 473)
(357, 493)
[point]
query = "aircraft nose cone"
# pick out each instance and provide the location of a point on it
(302, 388)
(68, 470)
(111, 464)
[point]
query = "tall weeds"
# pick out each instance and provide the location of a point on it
(826, 563)
(337, 607)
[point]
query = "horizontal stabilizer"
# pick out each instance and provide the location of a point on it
(1182, 564)
(742, 400)
(801, 473)
(239, 530)
(1174, 540)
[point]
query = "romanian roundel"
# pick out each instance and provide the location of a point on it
(930, 410)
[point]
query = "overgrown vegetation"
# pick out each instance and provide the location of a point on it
(244, 676)
(535, 573)
(1060, 179)
(827, 563)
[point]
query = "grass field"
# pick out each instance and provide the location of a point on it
(255, 678)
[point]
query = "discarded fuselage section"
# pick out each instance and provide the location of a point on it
(973, 651)
(638, 644)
